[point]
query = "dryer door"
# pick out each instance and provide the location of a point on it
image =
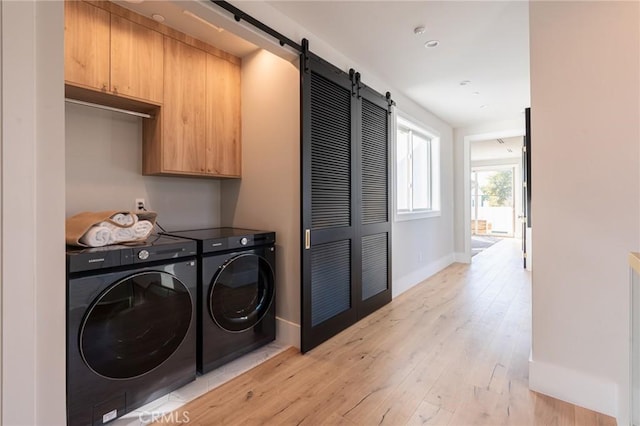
(241, 292)
(135, 325)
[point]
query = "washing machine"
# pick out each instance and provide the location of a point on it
(236, 292)
(131, 326)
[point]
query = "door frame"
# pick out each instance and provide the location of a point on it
(466, 179)
(516, 173)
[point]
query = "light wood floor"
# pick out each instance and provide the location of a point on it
(451, 351)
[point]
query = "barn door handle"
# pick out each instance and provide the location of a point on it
(307, 239)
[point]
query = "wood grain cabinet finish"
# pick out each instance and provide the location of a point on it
(111, 54)
(136, 60)
(223, 117)
(87, 44)
(192, 90)
(183, 114)
(199, 133)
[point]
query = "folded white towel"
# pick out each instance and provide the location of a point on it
(109, 233)
(97, 236)
(124, 219)
(120, 235)
(138, 231)
(142, 229)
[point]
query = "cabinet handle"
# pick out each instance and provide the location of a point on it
(307, 239)
(115, 90)
(104, 87)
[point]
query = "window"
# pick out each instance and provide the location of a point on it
(417, 171)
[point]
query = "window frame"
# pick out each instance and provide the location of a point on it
(404, 121)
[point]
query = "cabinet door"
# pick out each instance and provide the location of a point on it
(136, 60)
(223, 117)
(183, 117)
(86, 48)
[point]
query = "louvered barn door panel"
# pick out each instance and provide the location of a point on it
(375, 227)
(330, 154)
(374, 265)
(327, 203)
(330, 280)
(375, 164)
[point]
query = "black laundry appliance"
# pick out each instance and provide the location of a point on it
(131, 326)
(236, 292)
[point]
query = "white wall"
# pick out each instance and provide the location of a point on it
(33, 291)
(585, 106)
(268, 196)
(104, 172)
(422, 247)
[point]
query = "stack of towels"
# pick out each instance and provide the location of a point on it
(121, 227)
(97, 229)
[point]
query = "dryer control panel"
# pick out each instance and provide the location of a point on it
(213, 240)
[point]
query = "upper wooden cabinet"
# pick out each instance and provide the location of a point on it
(199, 129)
(136, 60)
(86, 45)
(183, 114)
(191, 90)
(112, 54)
(223, 117)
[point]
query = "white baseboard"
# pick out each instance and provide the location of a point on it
(402, 284)
(462, 257)
(287, 333)
(575, 387)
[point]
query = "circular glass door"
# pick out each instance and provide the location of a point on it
(241, 292)
(135, 325)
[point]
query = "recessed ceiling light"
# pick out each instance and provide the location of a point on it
(157, 17)
(465, 82)
(419, 30)
(431, 44)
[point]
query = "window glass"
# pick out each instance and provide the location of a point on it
(417, 171)
(421, 173)
(403, 186)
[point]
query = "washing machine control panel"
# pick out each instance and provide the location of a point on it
(244, 241)
(154, 249)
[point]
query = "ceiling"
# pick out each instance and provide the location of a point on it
(485, 43)
(174, 16)
(497, 149)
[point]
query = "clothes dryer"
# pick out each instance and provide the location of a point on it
(236, 292)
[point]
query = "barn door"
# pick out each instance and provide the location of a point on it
(345, 209)
(374, 226)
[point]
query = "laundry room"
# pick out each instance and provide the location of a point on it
(98, 160)
(248, 281)
(104, 168)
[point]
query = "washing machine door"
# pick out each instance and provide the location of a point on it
(135, 325)
(241, 292)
